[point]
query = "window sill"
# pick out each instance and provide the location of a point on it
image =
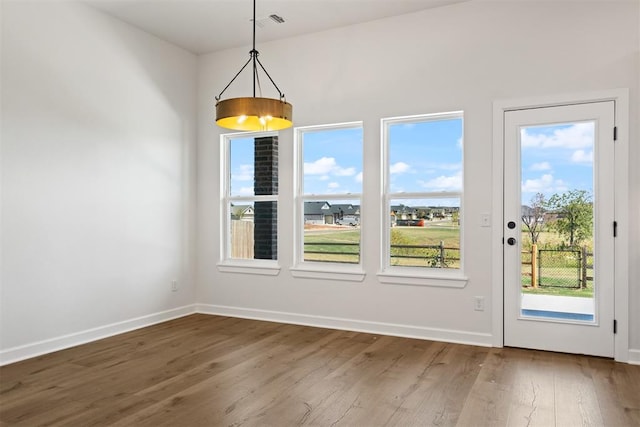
(263, 268)
(329, 272)
(423, 278)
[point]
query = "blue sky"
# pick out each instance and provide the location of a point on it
(241, 166)
(556, 158)
(424, 157)
(333, 161)
(427, 157)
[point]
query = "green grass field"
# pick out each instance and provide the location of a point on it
(430, 235)
(342, 245)
(339, 245)
(560, 274)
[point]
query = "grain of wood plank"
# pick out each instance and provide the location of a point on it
(575, 393)
(490, 395)
(210, 370)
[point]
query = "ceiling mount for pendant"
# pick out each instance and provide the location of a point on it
(254, 113)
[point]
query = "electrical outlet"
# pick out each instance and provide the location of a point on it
(174, 285)
(478, 304)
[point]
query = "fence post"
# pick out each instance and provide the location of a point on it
(441, 253)
(534, 265)
(583, 254)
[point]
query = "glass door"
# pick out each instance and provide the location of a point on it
(558, 231)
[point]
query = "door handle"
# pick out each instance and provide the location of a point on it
(511, 241)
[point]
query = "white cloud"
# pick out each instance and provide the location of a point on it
(333, 185)
(324, 178)
(545, 184)
(245, 173)
(543, 166)
(327, 166)
(443, 183)
(338, 171)
(245, 191)
(581, 156)
(321, 166)
(358, 177)
(399, 167)
(578, 135)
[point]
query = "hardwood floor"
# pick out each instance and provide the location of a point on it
(218, 371)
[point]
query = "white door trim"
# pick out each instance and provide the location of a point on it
(622, 297)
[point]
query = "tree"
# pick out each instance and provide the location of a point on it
(532, 216)
(455, 217)
(575, 215)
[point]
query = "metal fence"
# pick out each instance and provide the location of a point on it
(563, 268)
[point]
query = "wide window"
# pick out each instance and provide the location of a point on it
(328, 198)
(422, 186)
(249, 199)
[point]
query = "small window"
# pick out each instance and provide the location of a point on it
(423, 187)
(328, 196)
(249, 198)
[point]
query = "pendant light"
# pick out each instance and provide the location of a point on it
(254, 113)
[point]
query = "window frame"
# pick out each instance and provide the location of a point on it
(311, 269)
(416, 276)
(226, 263)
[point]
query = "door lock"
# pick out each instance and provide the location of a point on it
(511, 241)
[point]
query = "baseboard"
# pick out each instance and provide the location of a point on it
(406, 331)
(28, 351)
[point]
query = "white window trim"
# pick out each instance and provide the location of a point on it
(227, 264)
(416, 276)
(318, 270)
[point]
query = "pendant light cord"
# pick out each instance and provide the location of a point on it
(253, 58)
(254, 52)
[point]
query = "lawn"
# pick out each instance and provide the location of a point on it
(334, 245)
(566, 292)
(343, 245)
(430, 235)
(559, 273)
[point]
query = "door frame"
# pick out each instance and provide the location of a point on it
(621, 206)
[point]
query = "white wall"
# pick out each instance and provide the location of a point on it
(98, 185)
(462, 57)
(98, 176)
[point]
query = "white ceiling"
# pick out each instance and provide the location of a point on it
(203, 26)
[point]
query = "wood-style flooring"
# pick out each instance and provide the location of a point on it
(218, 371)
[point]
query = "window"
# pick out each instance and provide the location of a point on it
(422, 187)
(249, 203)
(328, 197)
